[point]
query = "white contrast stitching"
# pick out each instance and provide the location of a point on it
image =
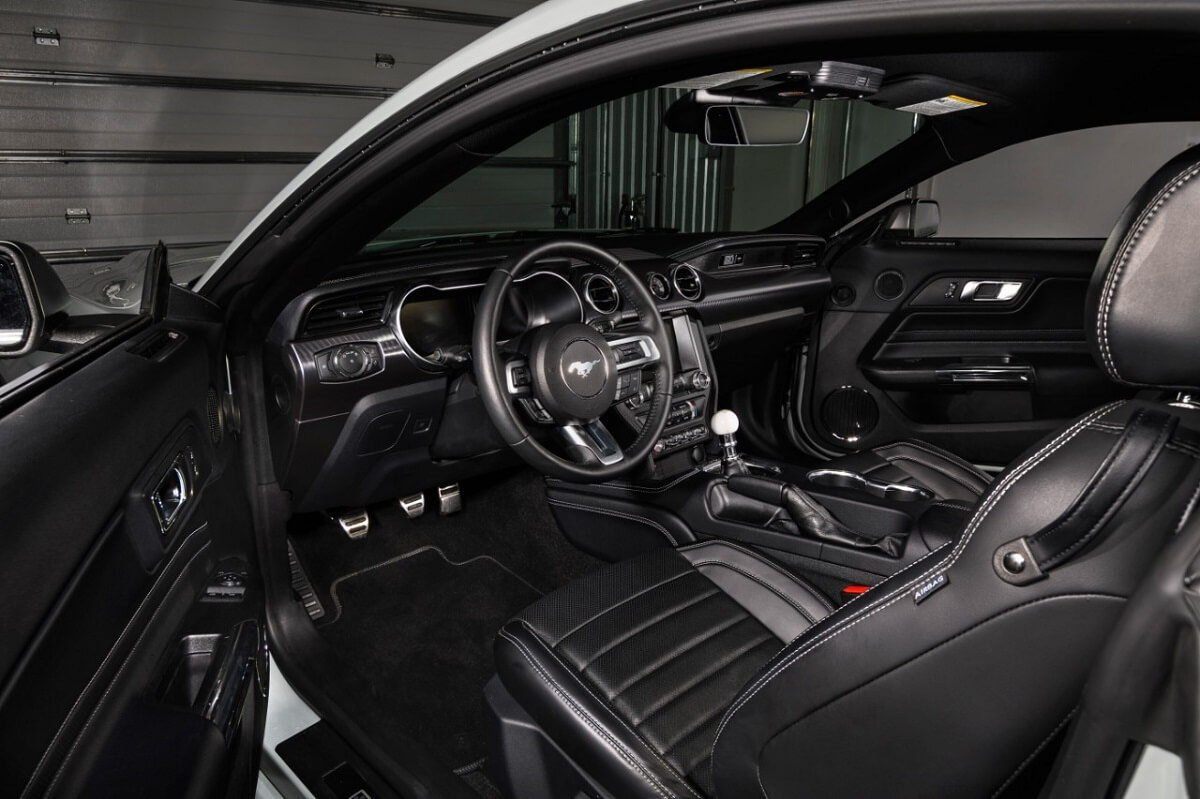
(615, 715)
(885, 601)
(1034, 753)
(797, 579)
(626, 755)
(116, 677)
(1108, 295)
(116, 645)
(949, 457)
(948, 475)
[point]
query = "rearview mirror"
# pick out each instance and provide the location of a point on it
(29, 288)
(754, 125)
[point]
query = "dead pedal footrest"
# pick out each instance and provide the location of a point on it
(303, 587)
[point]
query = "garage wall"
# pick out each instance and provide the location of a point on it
(113, 118)
(1071, 185)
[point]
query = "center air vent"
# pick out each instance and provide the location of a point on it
(354, 311)
(601, 294)
(687, 282)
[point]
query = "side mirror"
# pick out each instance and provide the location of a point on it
(29, 292)
(912, 219)
(754, 125)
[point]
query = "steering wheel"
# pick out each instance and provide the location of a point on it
(566, 375)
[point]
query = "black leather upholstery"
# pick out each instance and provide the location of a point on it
(1144, 324)
(631, 668)
(944, 680)
(775, 505)
(916, 463)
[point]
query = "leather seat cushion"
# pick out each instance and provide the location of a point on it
(945, 475)
(631, 668)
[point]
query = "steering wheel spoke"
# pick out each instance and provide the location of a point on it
(518, 380)
(634, 352)
(591, 443)
(567, 371)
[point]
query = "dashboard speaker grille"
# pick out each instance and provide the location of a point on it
(849, 413)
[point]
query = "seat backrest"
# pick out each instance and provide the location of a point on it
(948, 678)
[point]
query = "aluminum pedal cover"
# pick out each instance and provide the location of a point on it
(413, 506)
(355, 523)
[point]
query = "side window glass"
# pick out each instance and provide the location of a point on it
(1069, 185)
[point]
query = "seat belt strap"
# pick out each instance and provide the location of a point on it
(1027, 559)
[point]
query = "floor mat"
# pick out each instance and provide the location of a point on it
(504, 516)
(420, 627)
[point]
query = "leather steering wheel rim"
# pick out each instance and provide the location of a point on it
(490, 366)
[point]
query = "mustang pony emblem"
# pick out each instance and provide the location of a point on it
(582, 368)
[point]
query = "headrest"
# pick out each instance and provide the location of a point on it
(1144, 298)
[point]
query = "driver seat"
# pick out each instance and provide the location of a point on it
(708, 671)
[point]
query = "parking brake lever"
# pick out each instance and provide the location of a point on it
(810, 516)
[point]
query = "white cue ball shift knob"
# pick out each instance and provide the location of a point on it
(724, 423)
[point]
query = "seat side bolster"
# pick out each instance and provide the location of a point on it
(781, 602)
(569, 710)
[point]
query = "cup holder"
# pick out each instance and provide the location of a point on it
(895, 492)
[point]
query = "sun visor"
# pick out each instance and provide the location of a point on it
(929, 95)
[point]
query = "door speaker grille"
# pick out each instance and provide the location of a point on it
(849, 414)
(215, 422)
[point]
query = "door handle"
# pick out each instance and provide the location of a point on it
(173, 492)
(1008, 375)
(990, 290)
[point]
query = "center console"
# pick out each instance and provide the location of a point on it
(847, 527)
(686, 430)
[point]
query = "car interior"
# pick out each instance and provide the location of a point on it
(824, 503)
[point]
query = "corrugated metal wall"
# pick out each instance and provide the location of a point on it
(626, 153)
(105, 120)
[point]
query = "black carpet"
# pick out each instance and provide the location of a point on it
(413, 607)
(422, 626)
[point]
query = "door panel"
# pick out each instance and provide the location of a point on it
(115, 627)
(977, 346)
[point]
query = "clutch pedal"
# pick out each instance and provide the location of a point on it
(354, 523)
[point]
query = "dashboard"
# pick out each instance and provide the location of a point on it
(369, 374)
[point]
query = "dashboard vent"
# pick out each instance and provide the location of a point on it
(687, 282)
(356, 311)
(601, 294)
(806, 256)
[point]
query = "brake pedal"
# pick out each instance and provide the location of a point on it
(354, 523)
(302, 586)
(413, 506)
(449, 499)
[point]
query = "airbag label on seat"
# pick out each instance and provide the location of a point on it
(930, 586)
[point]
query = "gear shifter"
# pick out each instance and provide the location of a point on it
(724, 423)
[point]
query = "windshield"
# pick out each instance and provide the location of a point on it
(617, 167)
